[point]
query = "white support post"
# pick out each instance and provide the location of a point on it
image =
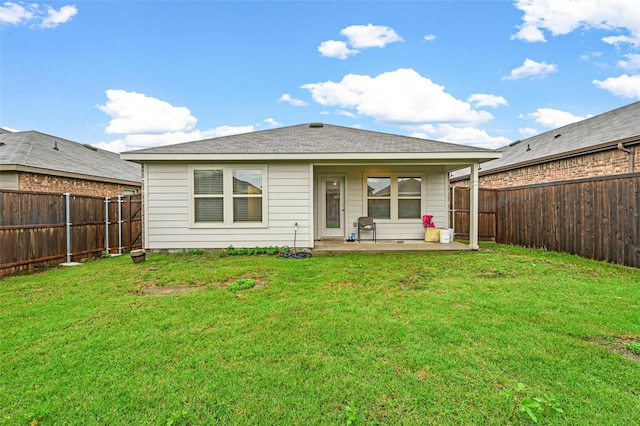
(67, 207)
(106, 224)
(473, 207)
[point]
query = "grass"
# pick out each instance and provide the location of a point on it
(396, 338)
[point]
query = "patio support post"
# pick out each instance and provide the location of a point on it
(473, 207)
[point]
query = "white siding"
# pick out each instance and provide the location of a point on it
(434, 201)
(168, 203)
(9, 180)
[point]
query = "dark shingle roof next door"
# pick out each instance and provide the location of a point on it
(311, 139)
(577, 138)
(37, 151)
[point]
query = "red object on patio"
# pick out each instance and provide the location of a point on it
(427, 221)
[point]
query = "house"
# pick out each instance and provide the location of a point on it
(34, 161)
(603, 145)
(309, 182)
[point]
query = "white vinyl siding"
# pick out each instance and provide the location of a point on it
(169, 203)
(9, 180)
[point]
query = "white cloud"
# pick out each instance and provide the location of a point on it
(528, 131)
(461, 135)
(15, 13)
(57, 17)
(364, 36)
(336, 49)
(137, 113)
(618, 40)
(627, 86)
(429, 37)
(398, 96)
(632, 62)
(147, 122)
(346, 114)
(358, 37)
(553, 118)
(271, 122)
(529, 32)
(293, 101)
(482, 99)
(19, 13)
(141, 141)
(564, 16)
(532, 69)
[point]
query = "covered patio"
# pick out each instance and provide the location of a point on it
(368, 246)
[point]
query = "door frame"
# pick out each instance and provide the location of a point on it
(324, 232)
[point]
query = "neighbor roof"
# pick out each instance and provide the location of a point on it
(42, 153)
(311, 141)
(596, 133)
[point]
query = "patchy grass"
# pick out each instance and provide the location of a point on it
(396, 338)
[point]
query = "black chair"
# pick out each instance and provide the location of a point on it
(367, 224)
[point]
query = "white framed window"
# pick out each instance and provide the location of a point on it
(394, 196)
(228, 196)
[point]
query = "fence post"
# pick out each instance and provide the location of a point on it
(106, 224)
(67, 207)
(119, 224)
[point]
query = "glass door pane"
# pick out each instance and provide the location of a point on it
(333, 192)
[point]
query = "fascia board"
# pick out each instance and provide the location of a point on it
(381, 156)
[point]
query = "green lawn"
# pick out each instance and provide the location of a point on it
(395, 338)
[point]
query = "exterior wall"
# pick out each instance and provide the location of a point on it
(434, 202)
(168, 223)
(9, 180)
(50, 183)
(606, 163)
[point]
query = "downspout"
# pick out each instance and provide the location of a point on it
(473, 207)
(629, 152)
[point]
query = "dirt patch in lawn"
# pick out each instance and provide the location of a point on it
(166, 291)
(621, 344)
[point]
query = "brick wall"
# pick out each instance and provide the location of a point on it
(49, 183)
(606, 163)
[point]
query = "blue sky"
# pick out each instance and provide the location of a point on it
(134, 74)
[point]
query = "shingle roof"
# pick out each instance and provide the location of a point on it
(311, 139)
(37, 150)
(609, 127)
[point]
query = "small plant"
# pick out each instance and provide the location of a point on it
(232, 251)
(633, 347)
(177, 418)
(197, 252)
(105, 254)
(351, 415)
(242, 284)
(531, 406)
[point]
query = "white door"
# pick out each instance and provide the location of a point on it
(332, 207)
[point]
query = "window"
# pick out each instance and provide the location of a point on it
(208, 190)
(228, 195)
(247, 195)
(409, 197)
(394, 197)
(379, 197)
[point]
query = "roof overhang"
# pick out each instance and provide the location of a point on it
(446, 157)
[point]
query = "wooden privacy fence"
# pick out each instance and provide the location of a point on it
(460, 215)
(595, 218)
(38, 228)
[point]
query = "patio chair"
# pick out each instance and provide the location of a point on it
(367, 224)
